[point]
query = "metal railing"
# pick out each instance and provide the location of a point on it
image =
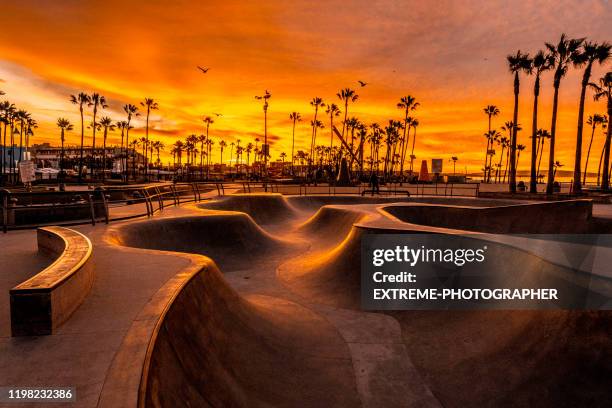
(435, 189)
(23, 209)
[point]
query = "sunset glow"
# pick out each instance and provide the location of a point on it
(451, 56)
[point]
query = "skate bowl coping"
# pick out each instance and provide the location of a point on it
(42, 303)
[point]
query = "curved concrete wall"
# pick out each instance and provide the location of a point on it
(211, 347)
(45, 301)
(561, 217)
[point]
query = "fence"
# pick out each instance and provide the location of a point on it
(23, 209)
(435, 189)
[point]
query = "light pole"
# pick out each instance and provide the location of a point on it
(266, 149)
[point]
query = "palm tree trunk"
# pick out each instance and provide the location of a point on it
(93, 143)
(104, 154)
(586, 163)
(61, 173)
(533, 182)
(512, 177)
(603, 149)
(82, 141)
(605, 182)
(553, 130)
(541, 153)
(577, 187)
(293, 147)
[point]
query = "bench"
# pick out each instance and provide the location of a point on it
(45, 301)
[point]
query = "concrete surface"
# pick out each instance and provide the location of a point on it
(273, 325)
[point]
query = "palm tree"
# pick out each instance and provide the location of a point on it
(81, 99)
(415, 125)
(590, 53)
(179, 147)
(346, 95)
(490, 111)
(542, 135)
(158, 146)
(222, 145)
(65, 126)
(562, 54)
(107, 124)
(541, 62)
(121, 124)
(519, 149)
(556, 166)
(232, 144)
(454, 160)
(592, 121)
(332, 110)
(150, 105)
(503, 142)
(604, 127)
(315, 124)
(295, 117)
(407, 103)
(516, 63)
(492, 136)
(248, 149)
(603, 90)
(316, 102)
(131, 111)
(97, 101)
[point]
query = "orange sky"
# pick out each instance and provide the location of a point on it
(450, 55)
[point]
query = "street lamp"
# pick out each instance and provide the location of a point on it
(265, 148)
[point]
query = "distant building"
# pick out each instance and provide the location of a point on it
(45, 155)
(10, 155)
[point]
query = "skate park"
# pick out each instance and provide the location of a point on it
(252, 299)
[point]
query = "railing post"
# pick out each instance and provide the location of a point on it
(105, 204)
(5, 202)
(92, 209)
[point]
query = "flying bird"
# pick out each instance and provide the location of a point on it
(362, 83)
(218, 114)
(204, 70)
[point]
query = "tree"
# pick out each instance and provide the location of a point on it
(316, 102)
(415, 125)
(131, 111)
(490, 111)
(603, 128)
(65, 126)
(295, 117)
(81, 99)
(519, 149)
(407, 103)
(454, 160)
(107, 124)
(178, 147)
(542, 135)
(96, 101)
(541, 62)
(222, 145)
(346, 95)
(603, 90)
(516, 64)
(592, 121)
(590, 53)
(315, 124)
(332, 110)
(562, 53)
(208, 121)
(150, 105)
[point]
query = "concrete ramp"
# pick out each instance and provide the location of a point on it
(232, 239)
(264, 208)
(215, 348)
